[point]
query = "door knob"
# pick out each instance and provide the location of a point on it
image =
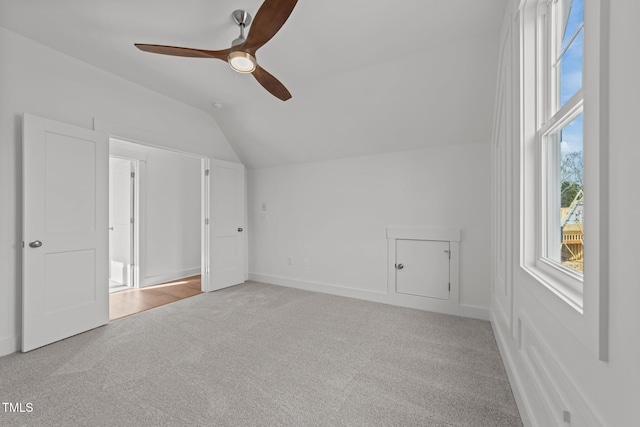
(35, 244)
(399, 266)
(240, 230)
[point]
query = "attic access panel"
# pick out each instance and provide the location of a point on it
(422, 268)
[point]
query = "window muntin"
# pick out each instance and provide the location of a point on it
(567, 50)
(571, 19)
(570, 69)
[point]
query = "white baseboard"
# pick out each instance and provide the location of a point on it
(409, 301)
(512, 373)
(9, 345)
(163, 278)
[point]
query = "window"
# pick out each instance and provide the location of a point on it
(563, 150)
(560, 135)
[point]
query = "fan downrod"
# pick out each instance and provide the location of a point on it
(242, 19)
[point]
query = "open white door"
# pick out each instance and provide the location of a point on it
(120, 221)
(65, 231)
(226, 224)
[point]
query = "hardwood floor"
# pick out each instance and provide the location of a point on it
(131, 301)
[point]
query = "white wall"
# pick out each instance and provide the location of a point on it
(37, 80)
(552, 369)
(173, 225)
(170, 217)
(335, 213)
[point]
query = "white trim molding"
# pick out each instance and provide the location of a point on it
(169, 277)
(145, 137)
(9, 345)
(444, 234)
(543, 391)
(427, 304)
(451, 306)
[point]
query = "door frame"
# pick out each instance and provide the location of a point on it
(153, 140)
(139, 230)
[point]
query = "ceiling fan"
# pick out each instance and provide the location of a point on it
(241, 56)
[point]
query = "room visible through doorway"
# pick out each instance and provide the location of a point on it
(155, 227)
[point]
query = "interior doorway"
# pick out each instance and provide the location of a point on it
(122, 175)
(155, 226)
(77, 160)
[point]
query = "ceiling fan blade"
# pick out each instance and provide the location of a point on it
(184, 51)
(271, 84)
(269, 19)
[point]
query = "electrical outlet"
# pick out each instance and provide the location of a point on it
(290, 260)
(566, 417)
(305, 261)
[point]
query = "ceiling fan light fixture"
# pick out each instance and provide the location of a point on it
(242, 62)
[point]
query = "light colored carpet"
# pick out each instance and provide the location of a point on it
(258, 354)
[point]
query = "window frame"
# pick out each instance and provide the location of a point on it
(568, 284)
(580, 306)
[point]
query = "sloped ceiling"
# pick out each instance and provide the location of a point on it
(366, 76)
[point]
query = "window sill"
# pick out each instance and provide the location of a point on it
(560, 283)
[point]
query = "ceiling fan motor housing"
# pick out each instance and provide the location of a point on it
(241, 17)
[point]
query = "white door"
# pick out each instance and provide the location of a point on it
(65, 231)
(120, 221)
(226, 224)
(422, 268)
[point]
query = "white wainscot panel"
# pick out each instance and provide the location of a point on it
(563, 403)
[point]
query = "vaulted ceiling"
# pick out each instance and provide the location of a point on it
(366, 76)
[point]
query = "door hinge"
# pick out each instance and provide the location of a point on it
(449, 287)
(131, 220)
(23, 244)
(206, 172)
(206, 221)
(133, 174)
